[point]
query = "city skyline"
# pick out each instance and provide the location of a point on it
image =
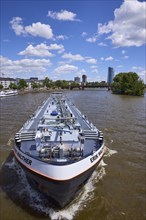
(71, 39)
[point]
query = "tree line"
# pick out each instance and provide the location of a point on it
(49, 84)
(123, 83)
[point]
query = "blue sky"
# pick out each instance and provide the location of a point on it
(64, 39)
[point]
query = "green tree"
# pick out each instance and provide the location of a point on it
(1, 86)
(34, 85)
(62, 84)
(128, 84)
(58, 83)
(47, 82)
(22, 84)
(13, 86)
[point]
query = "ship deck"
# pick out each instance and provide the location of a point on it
(58, 133)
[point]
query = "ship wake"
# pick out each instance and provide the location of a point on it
(21, 192)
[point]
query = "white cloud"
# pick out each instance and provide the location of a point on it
(110, 58)
(58, 47)
(102, 44)
(77, 57)
(63, 15)
(66, 68)
(36, 29)
(17, 26)
(41, 50)
(120, 66)
(91, 61)
(84, 34)
(128, 27)
(24, 65)
(91, 39)
(137, 68)
(39, 29)
(142, 75)
(61, 37)
(72, 57)
(140, 71)
(93, 67)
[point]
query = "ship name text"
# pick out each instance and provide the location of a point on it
(26, 160)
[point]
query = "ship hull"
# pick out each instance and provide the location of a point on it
(62, 192)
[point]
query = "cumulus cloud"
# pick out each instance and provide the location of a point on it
(63, 15)
(41, 50)
(35, 29)
(17, 26)
(91, 39)
(102, 44)
(24, 65)
(91, 61)
(58, 47)
(93, 67)
(110, 58)
(66, 68)
(120, 66)
(128, 27)
(140, 71)
(77, 57)
(142, 75)
(61, 37)
(71, 57)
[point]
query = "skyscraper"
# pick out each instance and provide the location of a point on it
(77, 79)
(110, 75)
(84, 79)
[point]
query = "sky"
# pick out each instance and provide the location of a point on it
(65, 39)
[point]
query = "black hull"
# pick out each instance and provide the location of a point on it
(62, 192)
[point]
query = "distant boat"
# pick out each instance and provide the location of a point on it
(59, 148)
(8, 93)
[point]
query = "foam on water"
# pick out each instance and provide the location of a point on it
(11, 164)
(82, 199)
(38, 202)
(109, 152)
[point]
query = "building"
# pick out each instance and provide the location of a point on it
(7, 81)
(110, 75)
(84, 79)
(33, 79)
(77, 79)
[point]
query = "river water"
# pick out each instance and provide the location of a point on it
(117, 188)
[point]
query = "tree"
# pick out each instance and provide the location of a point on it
(22, 84)
(128, 84)
(13, 86)
(47, 82)
(1, 86)
(62, 84)
(34, 85)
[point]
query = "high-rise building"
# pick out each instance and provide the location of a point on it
(77, 79)
(84, 79)
(110, 75)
